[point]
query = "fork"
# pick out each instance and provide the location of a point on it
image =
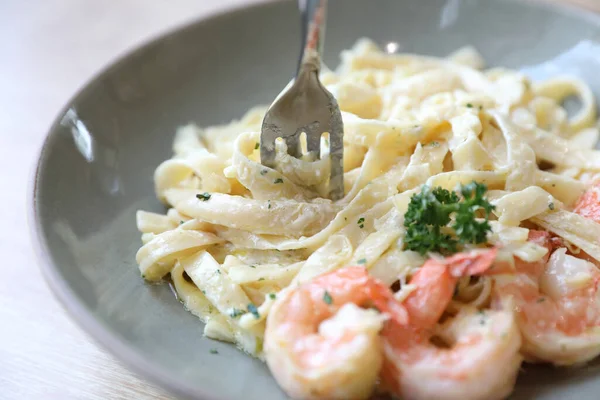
(307, 106)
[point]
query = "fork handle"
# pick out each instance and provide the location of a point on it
(313, 33)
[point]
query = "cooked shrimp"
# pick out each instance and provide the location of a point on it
(436, 280)
(320, 343)
(588, 205)
(557, 308)
(482, 359)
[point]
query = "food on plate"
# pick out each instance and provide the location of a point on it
(467, 240)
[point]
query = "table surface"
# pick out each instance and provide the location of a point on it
(49, 48)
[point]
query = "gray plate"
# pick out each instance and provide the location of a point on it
(96, 166)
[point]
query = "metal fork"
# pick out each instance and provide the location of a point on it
(307, 106)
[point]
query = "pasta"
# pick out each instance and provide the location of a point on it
(238, 235)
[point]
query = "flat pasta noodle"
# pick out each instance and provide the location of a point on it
(510, 212)
(277, 217)
(216, 325)
(560, 88)
(227, 297)
(157, 257)
(580, 231)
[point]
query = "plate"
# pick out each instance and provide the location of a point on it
(95, 169)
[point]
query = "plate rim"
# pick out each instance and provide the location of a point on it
(143, 367)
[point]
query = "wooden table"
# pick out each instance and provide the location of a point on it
(48, 49)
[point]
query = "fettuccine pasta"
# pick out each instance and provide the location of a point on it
(237, 235)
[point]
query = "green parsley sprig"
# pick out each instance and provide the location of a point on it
(438, 220)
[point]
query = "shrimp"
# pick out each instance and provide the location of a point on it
(319, 343)
(482, 359)
(588, 205)
(557, 308)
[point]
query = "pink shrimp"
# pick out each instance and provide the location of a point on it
(588, 205)
(482, 360)
(557, 305)
(319, 343)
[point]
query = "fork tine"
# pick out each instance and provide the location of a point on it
(293, 145)
(336, 154)
(267, 145)
(313, 144)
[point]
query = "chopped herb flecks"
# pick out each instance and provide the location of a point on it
(278, 180)
(361, 223)
(252, 266)
(203, 196)
(482, 316)
(541, 300)
(469, 105)
(362, 261)
(272, 296)
(327, 298)
(264, 172)
(439, 220)
(256, 146)
(252, 309)
(214, 351)
(235, 313)
(269, 204)
(551, 206)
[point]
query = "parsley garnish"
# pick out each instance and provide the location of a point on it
(551, 206)
(214, 351)
(362, 261)
(261, 279)
(264, 172)
(361, 223)
(434, 144)
(327, 298)
(252, 266)
(234, 313)
(469, 105)
(540, 300)
(429, 222)
(269, 204)
(203, 196)
(256, 146)
(278, 180)
(272, 296)
(252, 309)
